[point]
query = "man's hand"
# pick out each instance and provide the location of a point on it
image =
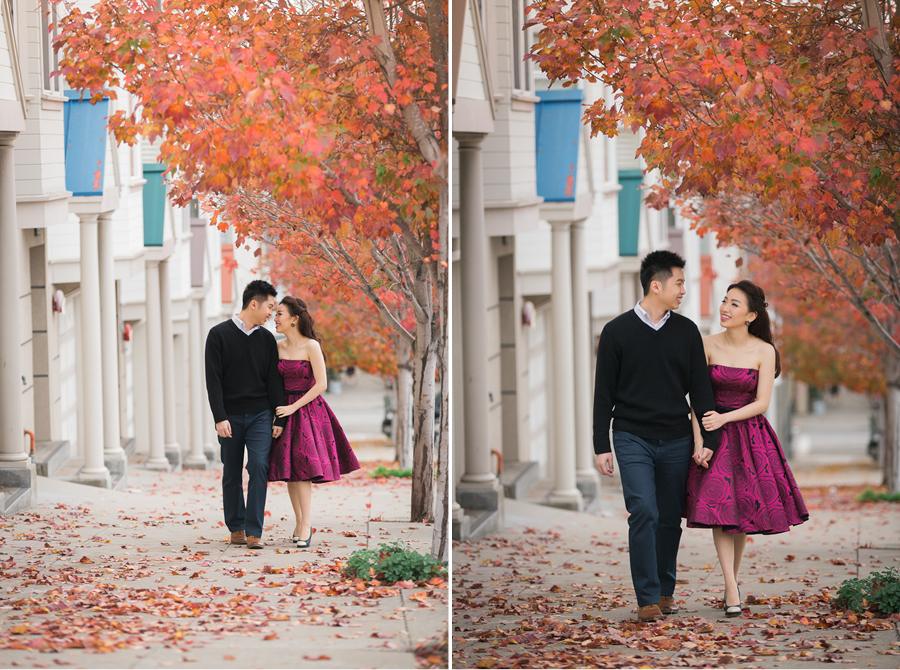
(223, 428)
(276, 432)
(702, 456)
(605, 463)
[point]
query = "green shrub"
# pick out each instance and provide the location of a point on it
(870, 496)
(382, 471)
(393, 562)
(879, 591)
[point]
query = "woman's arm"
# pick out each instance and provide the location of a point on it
(317, 360)
(713, 420)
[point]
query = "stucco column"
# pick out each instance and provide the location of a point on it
(586, 475)
(172, 448)
(196, 459)
(17, 472)
(565, 493)
(157, 459)
(109, 347)
(94, 470)
(12, 435)
(478, 487)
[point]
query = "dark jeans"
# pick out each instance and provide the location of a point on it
(254, 431)
(654, 477)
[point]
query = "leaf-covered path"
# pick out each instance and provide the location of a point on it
(146, 578)
(555, 590)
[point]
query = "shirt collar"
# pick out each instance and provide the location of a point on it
(240, 324)
(645, 316)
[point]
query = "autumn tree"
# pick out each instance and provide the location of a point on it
(792, 105)
(301, 124)
(354, 331)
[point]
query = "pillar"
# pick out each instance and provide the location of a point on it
(16, 469)
(196, 459)
(478, 488)
(565, 493)
(586, 476)
(156, 405)
(94, 471)
(172, 448)
(113, 455)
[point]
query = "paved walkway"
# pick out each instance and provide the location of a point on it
(145, 578)
(554, 590)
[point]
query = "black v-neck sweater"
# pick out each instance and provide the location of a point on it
(643, 376)
(242, 374)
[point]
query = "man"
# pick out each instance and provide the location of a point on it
(244, 388)
(648, 359)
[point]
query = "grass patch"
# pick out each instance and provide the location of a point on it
(393, 562)
(878, 592)
(874, 496)
(382, 471)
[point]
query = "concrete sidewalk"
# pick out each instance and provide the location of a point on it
(554, 590)
(145, 578)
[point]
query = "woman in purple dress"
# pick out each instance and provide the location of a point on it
(747, 486)
(313, 447)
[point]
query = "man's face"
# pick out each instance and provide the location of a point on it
(263, 310)
(672, 291)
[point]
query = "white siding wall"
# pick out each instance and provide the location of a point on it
(7, 82)
(470, 82)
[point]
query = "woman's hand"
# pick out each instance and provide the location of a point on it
(713, 420)
(702, 455)
(285, 410)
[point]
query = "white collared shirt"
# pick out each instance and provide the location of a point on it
(240, 324)
(645, 317)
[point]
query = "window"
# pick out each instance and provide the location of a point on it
(521, 42)
(51, 58)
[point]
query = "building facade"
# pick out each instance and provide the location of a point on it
(109, 288)
(549, 229)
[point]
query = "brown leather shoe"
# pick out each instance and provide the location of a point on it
(238, 537)
(647, 613)
(254, 542)
(667, 605)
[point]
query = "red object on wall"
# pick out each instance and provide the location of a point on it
(706, 280)
(126, 332)
(227, 270)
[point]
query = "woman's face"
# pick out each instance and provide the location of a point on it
(283, 319)
(734, 310)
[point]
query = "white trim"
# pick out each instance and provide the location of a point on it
(14, 57)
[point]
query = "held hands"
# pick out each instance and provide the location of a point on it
(285, 410)
(714, 420)
(276, 432)
(702, 456)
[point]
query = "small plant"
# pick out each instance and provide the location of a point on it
(871, 496)
(878, 592)
(382, 471)
(393, 562)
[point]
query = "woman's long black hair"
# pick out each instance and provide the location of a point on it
(306, 326)
(761, 326)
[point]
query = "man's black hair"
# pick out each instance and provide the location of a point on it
(257, 290)
(657, 265)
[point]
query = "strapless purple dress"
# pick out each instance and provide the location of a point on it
(312, 446)
(748, 487)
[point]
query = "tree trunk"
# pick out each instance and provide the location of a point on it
(440, 546)
(422, 504)
(891, 436)
(403, 416)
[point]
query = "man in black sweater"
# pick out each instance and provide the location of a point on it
(649, 358)
(244, 388)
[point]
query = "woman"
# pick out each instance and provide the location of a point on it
(313, 447)
(747, 486)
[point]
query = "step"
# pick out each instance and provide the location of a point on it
(518, 478)
(49, 457)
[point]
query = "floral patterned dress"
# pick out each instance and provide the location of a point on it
(312, 446)
(748, 487)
